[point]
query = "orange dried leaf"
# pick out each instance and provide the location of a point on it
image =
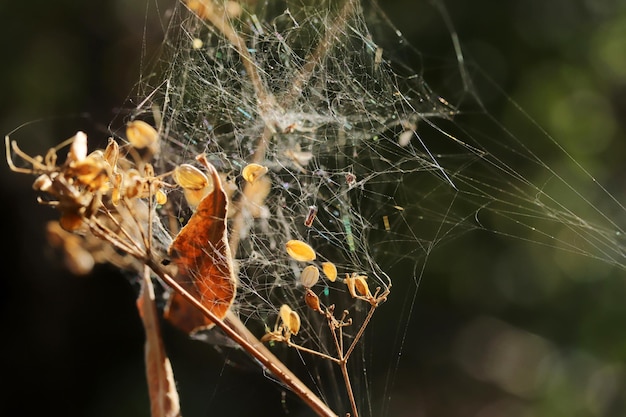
(205, 269)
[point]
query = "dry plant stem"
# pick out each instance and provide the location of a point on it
(251, 345)
(313, 59)
(222, 23)
(266, 102)
(164, 401)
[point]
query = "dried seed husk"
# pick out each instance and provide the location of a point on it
(112, 152)
(140, 134)
(312, 300)
(161, 197)
(284, 312)
(252, 172)
(360, 284)
(300, 251)
(290, 319)
(294, 322)
(191, 178)
(330, 270)
(309, 276)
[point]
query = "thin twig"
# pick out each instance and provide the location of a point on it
(252, 345)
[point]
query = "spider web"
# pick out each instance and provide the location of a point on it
(392, 169)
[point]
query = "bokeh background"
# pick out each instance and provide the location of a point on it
(500, 327)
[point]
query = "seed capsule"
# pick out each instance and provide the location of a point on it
(252, 172)
(290, 319)
(300, 251)
(309, 276)
(330, 270)
(140, 134)
(190, 178)
(312, 300)
(112, 153)
(360, 284)
(161, 197)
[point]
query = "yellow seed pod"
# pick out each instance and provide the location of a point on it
(161, 197)
(252, 172)
(140, 134)
(330, 270)
(190, 178)
(360, 284)
(300, 251)
(294, 322)
(112, 152)
(309, 276)
(285, 311)
(117, 185)
(290, 319)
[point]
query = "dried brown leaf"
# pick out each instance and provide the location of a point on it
(205, 269)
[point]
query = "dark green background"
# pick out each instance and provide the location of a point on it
(73, 346)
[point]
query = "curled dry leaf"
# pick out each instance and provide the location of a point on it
(205, 269)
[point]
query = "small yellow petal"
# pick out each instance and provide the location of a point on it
(300, 251)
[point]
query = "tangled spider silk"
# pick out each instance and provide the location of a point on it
(331, 157)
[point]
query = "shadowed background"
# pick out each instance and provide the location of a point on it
(495, 331)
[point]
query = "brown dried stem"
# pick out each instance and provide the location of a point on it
(242, 336)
